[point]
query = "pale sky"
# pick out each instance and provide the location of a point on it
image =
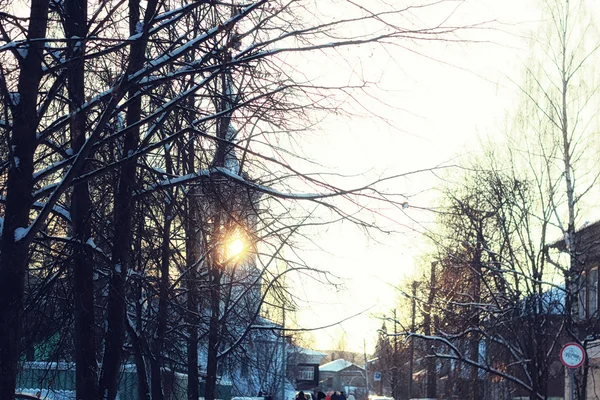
(461, 92)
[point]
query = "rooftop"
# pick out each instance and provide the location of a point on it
(337, 365)
(310, 352)
(586, 241)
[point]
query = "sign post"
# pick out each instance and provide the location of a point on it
(377, 378)
(572, 355)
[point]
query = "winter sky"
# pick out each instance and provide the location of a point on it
(446, 96)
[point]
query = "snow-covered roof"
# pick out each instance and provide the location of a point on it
(337, 365)
(552, 301)
(586, 239)
(310, 352)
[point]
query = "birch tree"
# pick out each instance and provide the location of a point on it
(561, 95)
(528, 192)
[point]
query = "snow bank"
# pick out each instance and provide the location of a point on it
(49, 394)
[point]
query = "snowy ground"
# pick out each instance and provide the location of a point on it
(45, 394)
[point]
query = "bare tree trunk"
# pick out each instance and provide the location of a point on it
(163, 297)
(115, 334)
(224, 103)
(192, 251)
(192, 240)
(138, 341)
(86, 366)
(475, 318)
(574, 270)
(116, 306)
(123, 209)
(213, 332)
(13, 249)
(140, 366)
(569, 189)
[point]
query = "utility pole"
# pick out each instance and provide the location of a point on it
(412, 341)
(366, 366)
(283, 354)
(430, 378)
(395, 368)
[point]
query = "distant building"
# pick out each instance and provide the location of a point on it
(303, 367)
(342, 375)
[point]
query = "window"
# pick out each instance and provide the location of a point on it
(593, 285)
(306, 373)
(582, 286)
(588, 293)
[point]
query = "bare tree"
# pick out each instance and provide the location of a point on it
(493, 275)
(107, 108)
(496, 266)
(559, 113)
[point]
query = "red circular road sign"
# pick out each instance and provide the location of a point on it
(572, 355)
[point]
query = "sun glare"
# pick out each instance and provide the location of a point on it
(235, 248)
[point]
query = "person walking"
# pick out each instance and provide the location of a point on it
(300, 396)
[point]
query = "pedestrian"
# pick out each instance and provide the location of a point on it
(300, 396)
(342, 395)
(321, 395)
(351, 396)
(335, 396)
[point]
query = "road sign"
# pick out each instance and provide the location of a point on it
(377, 376)
(572, 355)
